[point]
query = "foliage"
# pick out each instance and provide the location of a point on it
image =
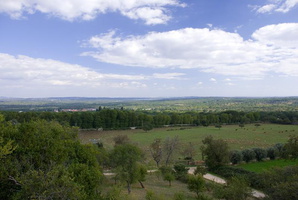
(124, 160)
(281, 183)
(167, 174)
(236, 157)
(260, 153)
(236, 189)
(216, 152)
(196, 184)
(180, 172)
(291, 148)
(200, 170)
(49, 162)
(147, 127)
(248, 155)
(272, 153)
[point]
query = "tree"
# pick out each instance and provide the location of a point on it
(156, 151)
(124, 160)
(291, 148)
(260, 153)
(280, 183)
(236, 189)
(6, 149)
(272, 153)
(147, 127)
(170, 146)
(216, 152)
(48, 163)
(180, 171)
(236, 157)
(167, 174)
(142, 172)
(196, 184)
(248, 155)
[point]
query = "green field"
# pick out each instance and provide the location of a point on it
(238, 138)
(267, 165)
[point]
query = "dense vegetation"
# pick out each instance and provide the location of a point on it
(42, 157)
(122, 119)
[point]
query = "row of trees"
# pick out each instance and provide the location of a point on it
(120, 118)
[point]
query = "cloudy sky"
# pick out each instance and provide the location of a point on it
(148, 48)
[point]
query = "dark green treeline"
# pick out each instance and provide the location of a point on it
(122, 119)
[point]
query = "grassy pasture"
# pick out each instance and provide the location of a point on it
(267, 165)
(238, 138)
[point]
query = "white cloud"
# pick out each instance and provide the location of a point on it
(283, 6)
(175, 76)
(280, 35)
(212, 51)
(266, 8)
(27, 71)
(151, 11)
(213, 80)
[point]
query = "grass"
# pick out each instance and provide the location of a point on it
(159, 187)
(267, 165)
(238, 138)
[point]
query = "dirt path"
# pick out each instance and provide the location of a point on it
(255, 193)
(210, 177)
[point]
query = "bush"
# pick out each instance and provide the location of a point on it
(236, 157)
(260, 153)
(272, 153)
(248, 155)
(181, 172)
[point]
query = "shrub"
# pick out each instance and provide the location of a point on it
(236, 157)
(248, 155)
(260, 153)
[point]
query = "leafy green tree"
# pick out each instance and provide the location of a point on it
(147, 127)
(272, 153)
(180, 171)
(236, 157)
(236, 189)
(196, 184)
(260, 153)
(280, 183)
(248, 155)
(291, 148)
(48, 163)
(124, 160)
(216, 152)
(167, 174)
(142, 172)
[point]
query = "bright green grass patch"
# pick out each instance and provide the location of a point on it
(267, 165)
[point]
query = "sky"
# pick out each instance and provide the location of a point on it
(148, 48)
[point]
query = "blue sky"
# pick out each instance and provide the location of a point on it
(148, 48)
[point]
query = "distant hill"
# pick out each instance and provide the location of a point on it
(173, 104)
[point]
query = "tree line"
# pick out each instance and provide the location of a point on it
(107, 118)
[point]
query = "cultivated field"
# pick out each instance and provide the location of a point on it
(238, 138)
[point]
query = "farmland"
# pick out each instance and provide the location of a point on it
(238, 138)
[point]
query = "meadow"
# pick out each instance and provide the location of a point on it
(238, 138)
(264, 166)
